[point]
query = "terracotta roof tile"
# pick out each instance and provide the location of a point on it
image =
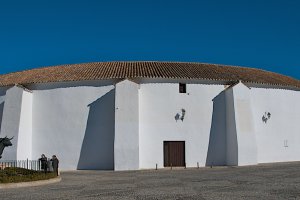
(168, 70)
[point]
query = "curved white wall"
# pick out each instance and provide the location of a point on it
(283, 126)
(158, 105)
(121, 126)
(76, 124)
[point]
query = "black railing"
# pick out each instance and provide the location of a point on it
(25, 164)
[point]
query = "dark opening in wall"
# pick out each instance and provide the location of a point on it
(182, 88)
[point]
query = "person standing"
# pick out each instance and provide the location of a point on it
(55, 163)
(44, 163)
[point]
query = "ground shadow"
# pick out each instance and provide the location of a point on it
(97, 151)
(216, 154)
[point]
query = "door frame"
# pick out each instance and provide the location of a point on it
(166, 159)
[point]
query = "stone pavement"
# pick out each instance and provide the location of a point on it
(271, 181)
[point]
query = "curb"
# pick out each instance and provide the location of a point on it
(30, 184)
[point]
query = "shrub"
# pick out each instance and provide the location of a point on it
(16, 174)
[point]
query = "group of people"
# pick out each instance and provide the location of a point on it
(44, 163)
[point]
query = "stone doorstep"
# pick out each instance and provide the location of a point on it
(30, 184)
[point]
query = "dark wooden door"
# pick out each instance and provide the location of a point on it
(174, 153)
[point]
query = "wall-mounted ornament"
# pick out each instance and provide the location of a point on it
(266, 117)
(285, 143)
(180, 115)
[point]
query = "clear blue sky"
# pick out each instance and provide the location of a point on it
(257, 33)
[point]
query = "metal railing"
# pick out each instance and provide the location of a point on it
(25, 164)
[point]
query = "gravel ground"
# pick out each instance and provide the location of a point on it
(271, 181)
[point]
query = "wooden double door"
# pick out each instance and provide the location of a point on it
(174, 153)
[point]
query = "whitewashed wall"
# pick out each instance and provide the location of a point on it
(11, 120)
(158, 105)
(75, 123)
(245, 130)
(126, 144)
(283, 126)
(2, 100)
(217, 148)
(16, 116)
(109, 125)
(24, 146)
(231, 131)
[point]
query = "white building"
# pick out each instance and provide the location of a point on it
(136, 115)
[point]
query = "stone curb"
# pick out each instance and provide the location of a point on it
(30, 184)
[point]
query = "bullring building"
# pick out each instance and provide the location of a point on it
(136, 115)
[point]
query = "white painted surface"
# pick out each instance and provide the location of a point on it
(284, 124)
(245, 130)
(11, 121)
(158, 105)
(76, 124)
(127, 126)
(231, 132)
(217, 148)
(24, 147)
(92, 125)
(2, 100)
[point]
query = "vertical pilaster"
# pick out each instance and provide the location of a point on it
(245, 131)
(25, 128)
(231, 132)
(126, 146)
(11, 121)
(17, 123)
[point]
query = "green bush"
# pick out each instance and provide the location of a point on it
(15, 175)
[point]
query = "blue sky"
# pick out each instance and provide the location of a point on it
(261, 34)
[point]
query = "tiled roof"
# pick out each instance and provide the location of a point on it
(168, 70)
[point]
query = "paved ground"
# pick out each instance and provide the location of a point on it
(276, 181)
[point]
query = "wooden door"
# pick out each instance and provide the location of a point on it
(174, 153)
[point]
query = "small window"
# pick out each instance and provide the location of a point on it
(182, 88)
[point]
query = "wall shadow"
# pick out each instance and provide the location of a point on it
(97, 151)
(232, 142)
(216, 154)
(1, 113)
